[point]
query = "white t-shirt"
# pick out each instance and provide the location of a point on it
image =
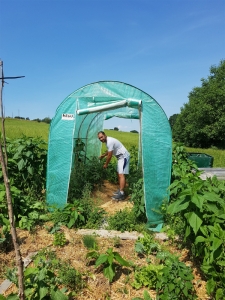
(117, 147)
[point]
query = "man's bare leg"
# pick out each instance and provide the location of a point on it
(122, 182)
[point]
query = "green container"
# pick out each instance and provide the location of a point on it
(202, 160)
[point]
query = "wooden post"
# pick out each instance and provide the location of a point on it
(3, 160)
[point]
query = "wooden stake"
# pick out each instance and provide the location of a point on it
(3, 160)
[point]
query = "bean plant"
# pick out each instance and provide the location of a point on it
(201, 206)
(46, 278)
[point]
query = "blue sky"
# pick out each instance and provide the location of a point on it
(163, 47)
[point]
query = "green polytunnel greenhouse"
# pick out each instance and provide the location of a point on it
(81, 116)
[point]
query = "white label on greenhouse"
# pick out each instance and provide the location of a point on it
(67, 116)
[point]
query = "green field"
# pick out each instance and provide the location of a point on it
(16, 128)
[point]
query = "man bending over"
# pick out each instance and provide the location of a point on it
(117, 149)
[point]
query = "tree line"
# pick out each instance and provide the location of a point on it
(45, 120)
(201, 121)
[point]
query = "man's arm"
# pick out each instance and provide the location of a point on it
(103, 155)
(109, 156)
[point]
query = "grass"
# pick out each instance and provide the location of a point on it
(16, 128)
(129, 139)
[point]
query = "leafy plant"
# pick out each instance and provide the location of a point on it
(175, 280)
(135, 172)
(137, 198)
(111, 173)
(85, 171)
(27, 210)
(90, 242)
(27, 157)
(146, 296)
(171, 278)
(95, 218)
(147, 245)
(107, 260)
(82, 213)
(5, 235)
(201, 207)
(59, 239)
(44, 279)
(70, 277)
(40, 283)
(147, 276)
(122, 220)
(71, 215)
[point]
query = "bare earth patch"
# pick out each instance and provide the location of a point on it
(98, 287)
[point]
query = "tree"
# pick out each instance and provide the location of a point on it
(37, 120)
(172, 120)
(46, 120)
(134, 131)
(201, 122)
(116, 128)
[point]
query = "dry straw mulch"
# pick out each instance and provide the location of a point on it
(97, 286)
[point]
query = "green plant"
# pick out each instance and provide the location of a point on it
(82, 213)
(95, 218)
(71, 215)
(54, 228)
(27, 211)
(40, 283)
(171, 278)
(135, 172)
(27, 157)
(175, 280)
(123, 220)
(44, 279)
(201, 207)
(70, 277)
(107, 260)
(59, 239)
(116, 241)
(111, 173)
(146, 276)
(137, 198)
(85, 172)
(147, 245)
(5, 235)
(146, 296)
(90, 242)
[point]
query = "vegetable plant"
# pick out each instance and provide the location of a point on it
(201, 207)
(147, 244)
(108, 261)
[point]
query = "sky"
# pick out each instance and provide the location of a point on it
(163, 47)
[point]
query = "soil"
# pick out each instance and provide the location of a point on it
(97, 286)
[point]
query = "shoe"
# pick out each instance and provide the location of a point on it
(116, 192)
(118, 197)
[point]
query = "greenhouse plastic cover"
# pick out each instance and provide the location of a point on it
(81, 116)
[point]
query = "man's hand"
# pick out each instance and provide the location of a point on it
(105, 166)
(103, 155)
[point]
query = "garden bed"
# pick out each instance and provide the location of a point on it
(97, 286)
